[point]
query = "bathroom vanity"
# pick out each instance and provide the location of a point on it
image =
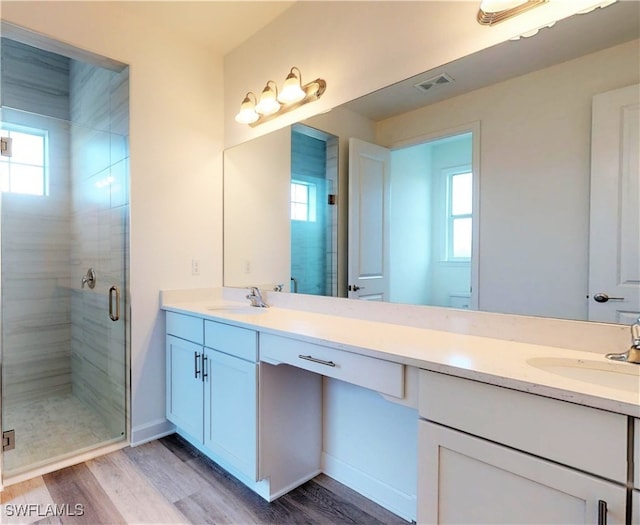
(505, 431)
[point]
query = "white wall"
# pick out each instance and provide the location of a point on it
(176, 151)
(409, 231)
(257, 217)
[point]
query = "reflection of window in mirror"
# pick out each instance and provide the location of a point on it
(25, 170)
(303, 201)
(459, 200)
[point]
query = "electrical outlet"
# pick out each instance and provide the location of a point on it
(195, 267)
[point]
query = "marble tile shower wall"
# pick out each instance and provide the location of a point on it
(36, 233)
(34, 80)
(100, 202)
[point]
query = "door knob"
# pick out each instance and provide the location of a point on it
(603, 298)
(355, 287)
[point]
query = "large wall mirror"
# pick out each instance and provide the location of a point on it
(472, 185)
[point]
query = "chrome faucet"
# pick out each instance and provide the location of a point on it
(256, 298)
(633, 354)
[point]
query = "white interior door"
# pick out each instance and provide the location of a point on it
(614, 242)
(369, 185)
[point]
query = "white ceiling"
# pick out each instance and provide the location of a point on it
(219, 25)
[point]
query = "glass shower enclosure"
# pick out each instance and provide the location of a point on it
(64, 214)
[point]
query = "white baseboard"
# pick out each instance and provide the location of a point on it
(149, 431)
(404, 505)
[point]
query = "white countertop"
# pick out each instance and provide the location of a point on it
(494, 361)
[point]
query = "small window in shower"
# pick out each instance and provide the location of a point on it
(303, 201)
(25, 170)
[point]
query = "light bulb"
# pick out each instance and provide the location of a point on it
(268, 104)
(247, 113)
(291, 90)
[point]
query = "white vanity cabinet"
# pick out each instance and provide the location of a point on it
(185, 385)
(491, 455)
(231, 396)
(261, 423)
(212, 385)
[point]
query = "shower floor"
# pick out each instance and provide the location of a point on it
(50, 429)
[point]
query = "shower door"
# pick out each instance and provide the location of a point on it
(64, 234)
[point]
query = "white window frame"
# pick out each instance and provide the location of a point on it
(311, 190)
(37, 132)
(449, 219)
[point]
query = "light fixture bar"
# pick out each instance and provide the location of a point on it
(488, 18)
(271, 105)
(313, 90)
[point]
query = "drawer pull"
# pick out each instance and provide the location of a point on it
(602, 512)
(316, 360)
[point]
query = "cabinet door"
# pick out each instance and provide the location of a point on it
(231, 410)
(185, 386)
(635, 506)
(464, 479)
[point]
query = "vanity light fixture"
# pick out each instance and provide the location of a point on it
(493, 11)
(273, 104)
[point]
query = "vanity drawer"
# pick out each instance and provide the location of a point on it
(185, 327)
(377, 374)
(585, 438)
(232, 340)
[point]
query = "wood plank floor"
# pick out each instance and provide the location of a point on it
(168, 481)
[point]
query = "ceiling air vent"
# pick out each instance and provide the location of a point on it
(432, 82)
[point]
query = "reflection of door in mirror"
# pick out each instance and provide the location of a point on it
(314, 175)
(614, 231)
(424, 254)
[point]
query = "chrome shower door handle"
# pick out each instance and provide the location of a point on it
(116, 316)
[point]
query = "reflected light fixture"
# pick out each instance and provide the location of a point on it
(493, 11)
(272, 104)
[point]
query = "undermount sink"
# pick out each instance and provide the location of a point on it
(239, 309)
(620, 376)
